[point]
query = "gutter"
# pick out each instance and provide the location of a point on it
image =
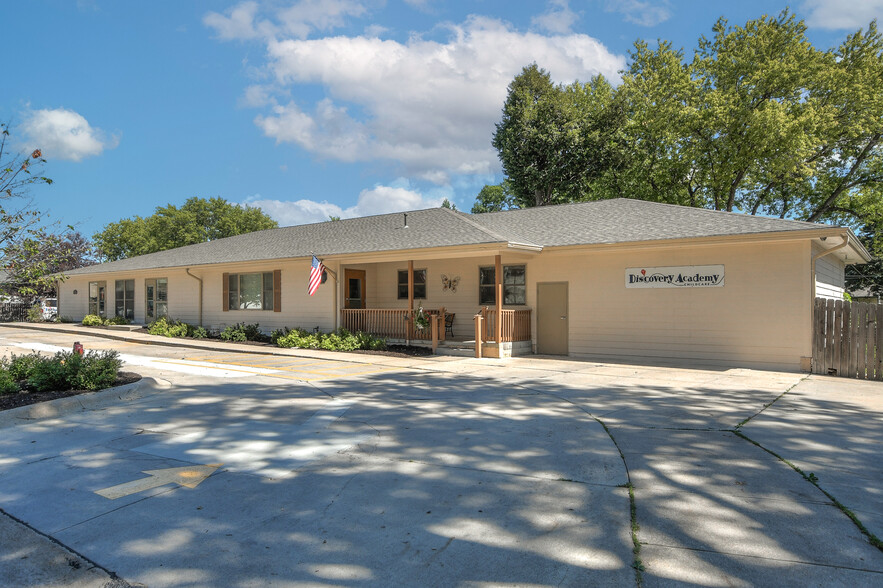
(187, 270)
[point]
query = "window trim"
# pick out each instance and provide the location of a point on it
(399, 284)
(492, 286)
(271, 297)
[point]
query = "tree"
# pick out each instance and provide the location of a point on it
(756, 120)
(494, 198)
(552, 140)
(197, 221)
(27, 244)
(448, 204)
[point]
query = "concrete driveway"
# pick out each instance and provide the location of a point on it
(447, 471)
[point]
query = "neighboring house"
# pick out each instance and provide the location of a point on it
(614, 279)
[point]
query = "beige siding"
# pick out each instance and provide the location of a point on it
(830, 277)
(760, 317)
(298, 308)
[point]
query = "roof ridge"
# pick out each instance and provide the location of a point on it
(465, 218)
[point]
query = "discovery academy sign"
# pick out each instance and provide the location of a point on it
(690, 276)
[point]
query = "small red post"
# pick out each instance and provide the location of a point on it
(78, 348)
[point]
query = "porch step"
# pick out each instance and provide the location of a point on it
(457, 348)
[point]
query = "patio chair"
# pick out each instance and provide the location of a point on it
(449, 324)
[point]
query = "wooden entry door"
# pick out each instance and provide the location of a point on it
(552, 322)
(354, 283)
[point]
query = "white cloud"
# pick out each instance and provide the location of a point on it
(239, 22)
(558, 18)
(64, 134)
(242, 22)
(429, 106)
(645, 13)
(377, 200)
(837, 14)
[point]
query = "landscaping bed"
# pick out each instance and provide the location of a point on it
(24, 398)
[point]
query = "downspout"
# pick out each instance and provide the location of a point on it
(187, 270)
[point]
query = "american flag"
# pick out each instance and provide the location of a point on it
(315, 275)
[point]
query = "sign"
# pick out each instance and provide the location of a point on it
(688, 276)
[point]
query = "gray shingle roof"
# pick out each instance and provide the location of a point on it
(623, 221)
(586, 223)
(430, 228)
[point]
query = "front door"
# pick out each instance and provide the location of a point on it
(354, 282)
(552, 329)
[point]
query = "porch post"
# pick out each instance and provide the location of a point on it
(410, 297)
(498, 274)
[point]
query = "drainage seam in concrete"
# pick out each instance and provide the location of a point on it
(637, 564)
(872, 539)
(94, 564)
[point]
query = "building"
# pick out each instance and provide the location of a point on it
(614, 279)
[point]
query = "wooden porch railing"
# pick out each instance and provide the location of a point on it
(516, 324)
(393, 323)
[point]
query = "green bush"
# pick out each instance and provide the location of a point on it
(92, 320)
(66, 370)
(96, 370)
(243, 332)
(166, 327)
(117, 320)
(340, 340)
(8, 385)
(51, 373)
(35, 314)
(21, 366)
(199, 333)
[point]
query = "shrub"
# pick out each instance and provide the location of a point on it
(97, 370)
(35, 314)
(92, 320)
(244, 332)
(166, 327)
(65, 370)
(340, 340)
(51, 373)
(8, 385)
(21, 366)
(117, 320)
(199, 333)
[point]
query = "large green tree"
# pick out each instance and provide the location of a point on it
(552, 138)
(197, 221)
(756, 120)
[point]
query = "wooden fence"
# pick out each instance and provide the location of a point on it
(848, 339)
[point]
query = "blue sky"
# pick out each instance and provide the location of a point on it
(310, 108)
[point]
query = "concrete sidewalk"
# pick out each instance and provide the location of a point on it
(704, 451)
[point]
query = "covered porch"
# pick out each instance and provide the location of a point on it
(483, 330)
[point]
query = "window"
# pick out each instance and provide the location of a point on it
(125, 299)
(250, 291)
(419, 284)
(514, 285)
(156, 298)
(97, 294)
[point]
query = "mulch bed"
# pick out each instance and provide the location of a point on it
(8, 401)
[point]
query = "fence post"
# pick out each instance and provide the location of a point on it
(433, 328)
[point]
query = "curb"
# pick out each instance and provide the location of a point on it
(81, 402)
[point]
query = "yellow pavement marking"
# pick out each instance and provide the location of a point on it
(189, 476)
